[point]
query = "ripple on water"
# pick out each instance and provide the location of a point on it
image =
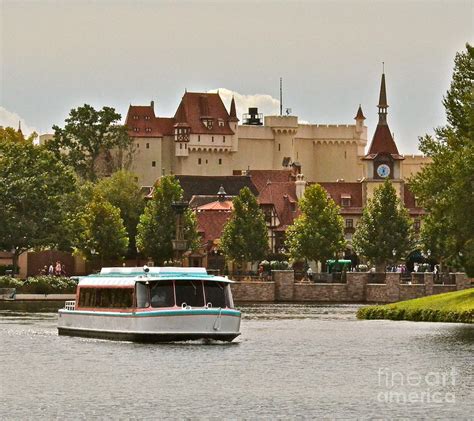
(291, 361)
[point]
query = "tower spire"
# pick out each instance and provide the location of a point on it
(233, 111)
(382, 106)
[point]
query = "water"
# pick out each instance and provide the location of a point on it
(292, 361)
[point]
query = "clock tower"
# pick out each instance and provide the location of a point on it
(382, 160)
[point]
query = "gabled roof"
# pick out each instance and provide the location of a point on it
(283, 197)
(141, 121)
(196, 107)
(217, 206)
(262, 177)
(197, 185)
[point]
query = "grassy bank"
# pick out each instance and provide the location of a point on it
(456, 307)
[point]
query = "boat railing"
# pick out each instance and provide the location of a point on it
(70, 305)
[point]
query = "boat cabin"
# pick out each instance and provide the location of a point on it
(125, 289)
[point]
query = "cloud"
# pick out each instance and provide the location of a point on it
(266, 104)
(11, 119)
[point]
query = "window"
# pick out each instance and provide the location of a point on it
(206, 161)
(142, 295)
(199, 161)
(417, 225)
(136, 129)
(212, 139)
(153, 163)
(162, 294)
(106, 297)
(349, 223)
(148, 146)
(180, 146)
(135, 117)
(345, 200)
(221, 123)
(279, 147)
(223, 139)
(199, 138)
(215, 294)
(220, 161)
(148, 129)
(189, 293)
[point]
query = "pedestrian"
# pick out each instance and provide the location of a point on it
(51, 270)
(57, 269)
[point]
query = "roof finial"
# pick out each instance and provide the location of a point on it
(383, 66)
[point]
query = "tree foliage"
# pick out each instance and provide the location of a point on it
(35, 187)
(91, 141)
(385, 228)
(103, 234)
(245, 237)
(318, 233)
(157, 226)
(446, 187)
(122, 191)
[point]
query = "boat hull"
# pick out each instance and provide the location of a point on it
(153, 326)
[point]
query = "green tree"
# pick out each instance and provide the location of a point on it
(318, 233)
(384, 233)
(35, 187)
(103, 234)
(157, 226)
(446, 187)
(122, 191)
(245, 236)
(91, 140)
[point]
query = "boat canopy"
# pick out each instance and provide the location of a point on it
(129, 276)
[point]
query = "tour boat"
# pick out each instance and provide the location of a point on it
(156, 304)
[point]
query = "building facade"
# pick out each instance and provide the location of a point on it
(203, 138)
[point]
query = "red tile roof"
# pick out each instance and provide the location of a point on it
(211, 224)
(337, 190)
(141, 121)
(260, 178)
(218, 205)
(383, 143)
(195, 107)
(283, 197)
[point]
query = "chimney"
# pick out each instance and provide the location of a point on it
(300, 184)
(152, 105)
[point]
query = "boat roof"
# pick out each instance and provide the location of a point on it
(121, 276)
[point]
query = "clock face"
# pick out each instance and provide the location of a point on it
(383, 170)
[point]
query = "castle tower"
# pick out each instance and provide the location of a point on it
(359, 118)
(383, 160)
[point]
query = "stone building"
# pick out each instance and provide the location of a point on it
(203, 138)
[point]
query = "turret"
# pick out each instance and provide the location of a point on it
(359, 118)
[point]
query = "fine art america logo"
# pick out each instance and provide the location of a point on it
(414, 387)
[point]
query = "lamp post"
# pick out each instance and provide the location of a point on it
(179, 243)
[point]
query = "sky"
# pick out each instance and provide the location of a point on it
(58, 55)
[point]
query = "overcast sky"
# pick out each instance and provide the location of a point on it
(57, 55)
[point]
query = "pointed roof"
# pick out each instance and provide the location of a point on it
(383, 93)
(180, 116)
(233, 111)
(360, 114)
(383, 143)
(19, 127)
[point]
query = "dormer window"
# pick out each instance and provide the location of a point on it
(345, 200)
(147, 117)
(148, 129)
(208, 123)
(136, 129)
(135, 117)
(221, 122)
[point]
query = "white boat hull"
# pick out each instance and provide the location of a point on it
(152, 326)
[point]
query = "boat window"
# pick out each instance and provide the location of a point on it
(162, 294)
(142, 295)
(106, 297)
(190, 293)
(215, 293)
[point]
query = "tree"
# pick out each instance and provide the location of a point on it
(35, 186)
(245, 237)
(122, 191)
(384, 233)
(157, 226)
(103, 234)
(446, 187)
(318, 233)
(91, 140)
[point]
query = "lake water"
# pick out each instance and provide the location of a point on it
(291, 361)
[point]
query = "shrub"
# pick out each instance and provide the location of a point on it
(9, 282)
(49, 285)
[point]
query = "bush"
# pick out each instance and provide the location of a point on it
(49, 285)
(9, 282)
